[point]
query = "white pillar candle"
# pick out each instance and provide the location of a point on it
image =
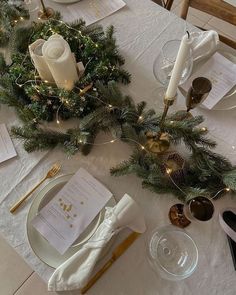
(61, 62)
(182, 55)
(35, 50)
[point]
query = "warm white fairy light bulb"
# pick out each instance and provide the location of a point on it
(168, 170)
(140, 118)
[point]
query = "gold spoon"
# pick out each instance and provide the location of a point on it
(51, 173)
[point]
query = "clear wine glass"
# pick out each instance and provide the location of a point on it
(172, 253)
(31, 5)
(164, 63)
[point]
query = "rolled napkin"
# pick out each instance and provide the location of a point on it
(61, 62)
(35, 50)
(204, 44)
(76, 271)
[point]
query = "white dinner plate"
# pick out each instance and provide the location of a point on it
(40, 246)
(66, 1)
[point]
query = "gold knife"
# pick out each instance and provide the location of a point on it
(119, 250)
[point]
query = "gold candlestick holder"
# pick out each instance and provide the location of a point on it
(46, 12)
(159, 143)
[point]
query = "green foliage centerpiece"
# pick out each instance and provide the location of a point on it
(11, 14)
(99, 105)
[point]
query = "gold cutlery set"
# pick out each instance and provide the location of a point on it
(51, 173)
(118, 251)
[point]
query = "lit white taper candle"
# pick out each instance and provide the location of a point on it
(183, 53)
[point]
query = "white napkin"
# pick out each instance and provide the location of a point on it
(61, 62)
(35, 50)
(204, 44)
(76, 271)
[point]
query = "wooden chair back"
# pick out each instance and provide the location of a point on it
(164, 3)
(217, 8)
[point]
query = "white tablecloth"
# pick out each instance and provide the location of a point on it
(142, 27)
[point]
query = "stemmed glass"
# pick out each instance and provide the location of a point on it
(172, 253)
(164, 63)
(31, 5)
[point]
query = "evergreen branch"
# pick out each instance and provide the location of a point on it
(38, 139)
(209, 162)
(121, 169)
(229, 179)
(94, 118)
(163, 190)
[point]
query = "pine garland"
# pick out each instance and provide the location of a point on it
(11, 14)
(104, 108)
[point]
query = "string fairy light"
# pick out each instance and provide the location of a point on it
(169, 171)
(110, 106)
(140, 118)
(204, 129)
(114, 140)
(82, 91)
(226, 189)
(57, 113)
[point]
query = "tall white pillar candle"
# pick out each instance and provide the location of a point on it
(183, 54)
(35, 50)
(61, 62)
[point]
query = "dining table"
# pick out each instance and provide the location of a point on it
(141, 29)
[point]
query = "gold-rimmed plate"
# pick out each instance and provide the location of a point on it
(40, 246)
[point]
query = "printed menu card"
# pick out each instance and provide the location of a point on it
(68, 214)
(222, 74)
(7, 150)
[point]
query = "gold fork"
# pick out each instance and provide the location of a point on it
(51, 173)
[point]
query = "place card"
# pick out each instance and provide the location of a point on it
(7, 150)
(222, 74)
(90, 11)
(68, 214)
(93, 10)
